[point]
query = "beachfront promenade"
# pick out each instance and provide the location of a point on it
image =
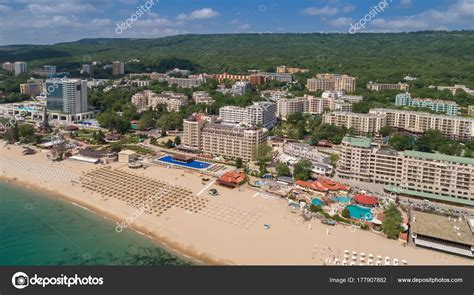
(228, 229)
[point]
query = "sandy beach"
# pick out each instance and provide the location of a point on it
(228, 229)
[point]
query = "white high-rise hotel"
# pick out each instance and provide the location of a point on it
(260, 114)
(66, 95)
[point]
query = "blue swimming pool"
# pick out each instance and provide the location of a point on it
(360, 212)
(193, 164)
(317, 202)
(342, 199)
(259, 183)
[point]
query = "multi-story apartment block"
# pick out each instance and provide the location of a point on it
(222, 140)
(351, 98)
(202, 97)
(470, 110)
(87, 69)
(332, 82)
(148, 99)
(280, 77)
(118, 68)
(9, 67)
(241, 87)
(319, 105)
(260, 114)
(454, 89)
(139, 83)
(381, 87)
(342, 106)
(47, 71)
(66, 95)
(20, 67)
(288, 106)
(186, 82)
(231, 77)
(32, 89)
(425, 175)
(362, 124)
(440, 106)
(453, 127)
(274, 95)
(285, 69)
(305, 151)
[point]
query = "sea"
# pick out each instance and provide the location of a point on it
(38, 229)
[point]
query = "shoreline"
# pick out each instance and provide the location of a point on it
(224, 230)
(168, 246)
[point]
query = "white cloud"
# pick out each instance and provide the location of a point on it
(459, 13)
(60, 8)
(405, 2)
(204, 13)
(5, 9)
(322, 11)
(340, 22)
(348, 8)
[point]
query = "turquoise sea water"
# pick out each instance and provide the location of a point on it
(36, 229)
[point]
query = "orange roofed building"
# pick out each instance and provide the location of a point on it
(323, 185)
(232, 179)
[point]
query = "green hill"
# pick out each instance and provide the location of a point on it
(437, 57)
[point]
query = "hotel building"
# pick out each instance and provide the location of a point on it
(332, 82)
(20, 67)
(381, 87)
(47, 71)
(231, 77)
(450, 108)
(118, 68)
(470, 110)
(149, 99)
(288, 106)
(424, 175)
(452, 127)
(66, 95)
(228, 141)
(241, 87)
(202, 97)
(32, 89)
(260, 114)
(454, 89)
(288, 70)
(362, 124)
(186, 82)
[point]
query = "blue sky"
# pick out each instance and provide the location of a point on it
(52, 21)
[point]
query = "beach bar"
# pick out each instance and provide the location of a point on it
(447, 234)
(232, 179)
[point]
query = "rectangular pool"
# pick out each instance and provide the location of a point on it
(192, 165)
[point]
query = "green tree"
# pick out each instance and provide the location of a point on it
(238, 163)
(177, 140)
(386, 131)
(302, 170)
(283, 169)
(169, 144)
(170, 121)
(346, 213)
(391, 225)
(401, 142)
(263, 153)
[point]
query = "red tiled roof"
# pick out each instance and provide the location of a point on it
(323, 185)
(232, 178)
(366, 200)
